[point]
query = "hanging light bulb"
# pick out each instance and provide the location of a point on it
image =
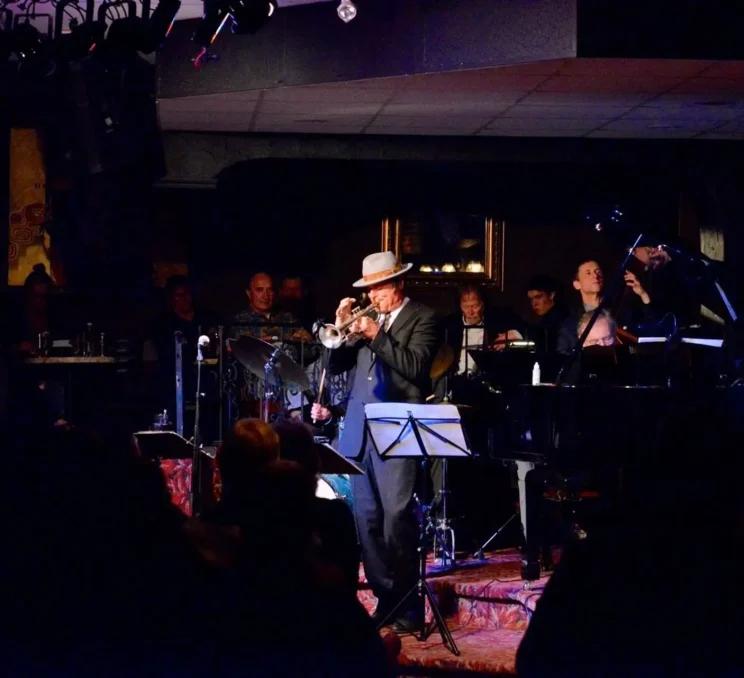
(346, 11)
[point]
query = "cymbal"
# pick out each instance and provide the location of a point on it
(443, 360)
(254, 353)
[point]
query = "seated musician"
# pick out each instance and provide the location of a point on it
(599, 362)
(476, 327)
(294, 297)
(278, 327)
(261, 319)
(603, 332)
(547, 314)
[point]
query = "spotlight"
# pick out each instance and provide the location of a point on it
(346, 11)
(250, 15)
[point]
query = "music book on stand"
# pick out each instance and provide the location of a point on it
(396, 428)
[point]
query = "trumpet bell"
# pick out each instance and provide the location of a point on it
(330, 336)
(333, 336)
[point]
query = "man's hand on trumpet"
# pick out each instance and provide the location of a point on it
(367, 327)
(343, 312)
(363, 326)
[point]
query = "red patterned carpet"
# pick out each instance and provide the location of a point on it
(487, 607)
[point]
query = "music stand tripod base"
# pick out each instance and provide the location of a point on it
(406, 430)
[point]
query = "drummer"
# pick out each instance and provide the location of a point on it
(262, 320)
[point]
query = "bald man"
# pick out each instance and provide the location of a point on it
(261, 319)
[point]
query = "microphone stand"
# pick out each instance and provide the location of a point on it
(178, 338)
(196, 476)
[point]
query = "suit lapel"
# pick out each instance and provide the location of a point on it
(405, 315)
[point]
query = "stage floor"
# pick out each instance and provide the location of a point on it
(487, 607)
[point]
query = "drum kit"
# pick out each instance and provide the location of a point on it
(270, 364)
(279, 371)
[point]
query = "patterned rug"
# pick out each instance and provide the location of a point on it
(487, 607)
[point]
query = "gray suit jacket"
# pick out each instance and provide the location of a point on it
(392, 368)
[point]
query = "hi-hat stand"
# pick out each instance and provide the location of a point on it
(441, 526)
(270, 384)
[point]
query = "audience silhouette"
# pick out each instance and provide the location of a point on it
(106, 577)
(645, 594)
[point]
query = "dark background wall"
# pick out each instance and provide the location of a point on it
(319, 217)
(232, 204)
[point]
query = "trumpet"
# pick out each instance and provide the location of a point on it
(333, 336)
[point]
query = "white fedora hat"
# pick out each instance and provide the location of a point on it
(379, 267)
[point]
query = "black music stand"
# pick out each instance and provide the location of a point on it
(408, 430)
(162, 445)
(334, 463)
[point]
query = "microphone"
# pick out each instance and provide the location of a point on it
(202, 343)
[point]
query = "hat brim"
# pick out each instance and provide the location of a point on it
(369, 283)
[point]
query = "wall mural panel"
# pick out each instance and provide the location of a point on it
(28, 242)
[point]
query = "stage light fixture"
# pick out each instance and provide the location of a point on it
(346, 11)
(250, 15)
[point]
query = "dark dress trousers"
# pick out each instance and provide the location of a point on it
(392, 368)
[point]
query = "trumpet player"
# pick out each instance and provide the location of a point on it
(390, 357)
